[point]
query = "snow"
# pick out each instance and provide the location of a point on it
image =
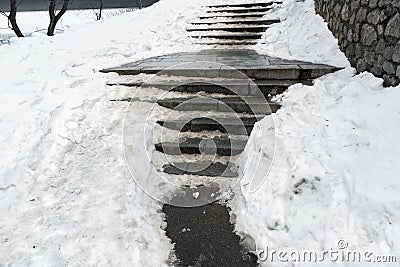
(298, 37)
(38, 21)
(66, 194)
(335, 174)
(65, 191)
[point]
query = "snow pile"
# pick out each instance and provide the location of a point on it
(300, 35)
(65, 192)
(337, 159)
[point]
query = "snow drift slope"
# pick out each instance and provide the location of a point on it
(66, 197)
(337, 159)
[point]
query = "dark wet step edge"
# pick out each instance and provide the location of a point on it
(245, 29)
(238, 10)
(254, 22)
(248, 5)
(246, 87)
(223, 146)
(250, 105)
(229, 36)
(204, 236)
(237, 126)
(233, 15)
(226, 43)
(202, 169)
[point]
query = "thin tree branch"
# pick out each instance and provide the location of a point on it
(3, 13)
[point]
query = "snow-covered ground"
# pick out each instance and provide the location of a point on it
(336, 171)
(66, 194)
(31, 22)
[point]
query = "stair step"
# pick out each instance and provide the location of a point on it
(238, 21)
(246, 29)
(246, 5)
(218, 145)
(228, 87)
(277, 72)
(228, 36)
(250, 105)
(202, 169)
(234, 15)
(239, 10)
(247, 61)
(233, 126)
(216, 42)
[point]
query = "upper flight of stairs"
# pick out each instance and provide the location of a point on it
(232, 24)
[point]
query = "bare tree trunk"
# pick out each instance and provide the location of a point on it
(139, 4)
(54, 18)
(98, 15)
(12, 18)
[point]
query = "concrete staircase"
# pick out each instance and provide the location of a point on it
(232, 24)
(212, 110)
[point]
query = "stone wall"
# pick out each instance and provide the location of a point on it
(368, 32)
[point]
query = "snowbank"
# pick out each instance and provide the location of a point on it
(301, 35)
(66, 196)
(335, 174)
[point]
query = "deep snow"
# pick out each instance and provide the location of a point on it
(66, 194)
(336, 169)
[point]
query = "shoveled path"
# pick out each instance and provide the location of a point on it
(203, 235)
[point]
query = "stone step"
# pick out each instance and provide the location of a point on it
(231, 125)
(202, 64)
(238, 10)
(250, 105)
(245, 29)
(253, 22)
(226, 43)
(218, 145)
(202, 169)
(228, 36)
(245, 5)
(234, 15)
(228, 87)
(275, 72)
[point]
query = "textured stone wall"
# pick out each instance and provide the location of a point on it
(368, 32)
